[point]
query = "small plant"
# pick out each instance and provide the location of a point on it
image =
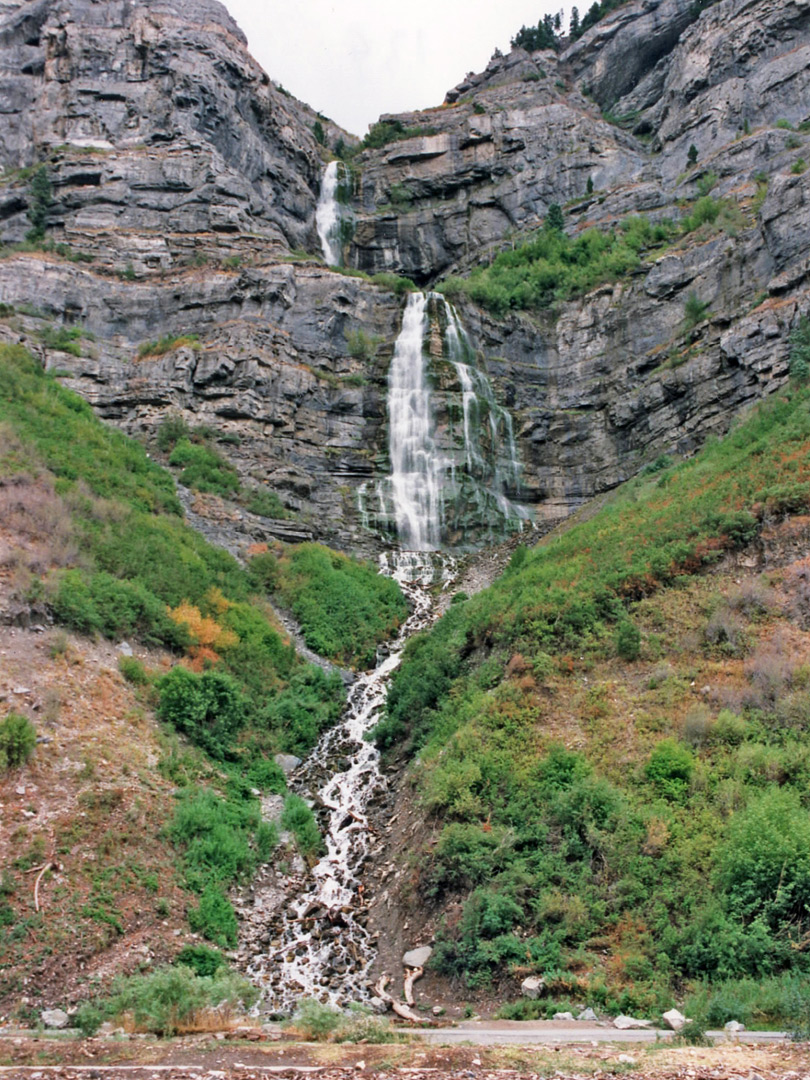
(479, 109)
(128, 273)
(628, 640)
(798, 166)
(555, 222)
(785, 125)
(314, 1021)
(319, 133)
(691, 156)
(362, 346)
(695, 310)
(792, 142)
(40, 202)
(172, 428)
(133, 670)
(706, 183)
(299, 819)
(18, 737)
(58, 645)
(800, 351)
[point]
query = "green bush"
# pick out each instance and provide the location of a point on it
(170, 1000)
(208, 708)
(171, 430)
(18, 737)
(764, 862)
(40, 201)
(628, 641)
(101, 603)
(214, 918)
(299, 819)
(800, 351)
(133, 670)
(670, 769)
(204, 469)
(201, 959)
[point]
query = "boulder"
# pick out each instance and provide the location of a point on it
(587, 1014)
(733, 1026)
(674, 1019)
(417, 958)
(288, 763)
(627, 1023)
(532, 987)
(563, 1016)
(54, 1018)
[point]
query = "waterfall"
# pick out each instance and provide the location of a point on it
(416, 463)
(447, 486)
(327, 215)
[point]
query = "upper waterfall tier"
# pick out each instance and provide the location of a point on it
(327, 215)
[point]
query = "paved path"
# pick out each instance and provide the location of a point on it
(523, 1032)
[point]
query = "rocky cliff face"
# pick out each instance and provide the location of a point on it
(191, 181)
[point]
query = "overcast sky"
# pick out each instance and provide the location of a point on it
(358, 58)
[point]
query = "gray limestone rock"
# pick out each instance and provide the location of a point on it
(674, 1019)
(629, 1023)
(587, 1014)
(416, 958)
(288, 763)
(532, 987)
(54, 1018)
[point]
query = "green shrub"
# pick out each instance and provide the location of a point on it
(345, 607)
(201, 959)
(40, 201)
(172, 429)
(18, 737)
(670, 769)
(764, 862)
(101, 603)
(265, 503)
(208, 708)
(204, 469)
(314, 1021)
(133, 670)
(170, 1000)
(800, 351)
(695, 310)
(299, 819)
(214, 918)
(628, 641)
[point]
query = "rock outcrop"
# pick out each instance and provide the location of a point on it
(184, 192)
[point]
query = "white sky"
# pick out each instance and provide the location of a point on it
(356, 59)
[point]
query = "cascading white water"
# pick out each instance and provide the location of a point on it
(500, 468)
(433, 493)
(416, 463)
(322, 948)
(327, 215)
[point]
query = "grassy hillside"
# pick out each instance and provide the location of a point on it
(150, 826)
(613, 744)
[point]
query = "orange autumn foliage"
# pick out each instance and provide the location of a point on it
(207, 636)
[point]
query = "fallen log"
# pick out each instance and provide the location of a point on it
(410, 979)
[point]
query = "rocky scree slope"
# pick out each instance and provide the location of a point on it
(192, 181)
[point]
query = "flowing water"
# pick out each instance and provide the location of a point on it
(447, 485)
(321, 946)
(327, 215)
(416, 462)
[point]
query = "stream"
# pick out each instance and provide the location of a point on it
(319, 944)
